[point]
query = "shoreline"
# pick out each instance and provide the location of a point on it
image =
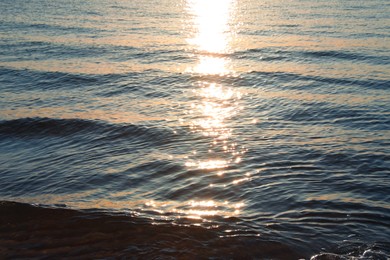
(39, 232)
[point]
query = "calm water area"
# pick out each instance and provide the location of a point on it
(195, 129)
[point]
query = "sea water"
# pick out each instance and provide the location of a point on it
(195, 129)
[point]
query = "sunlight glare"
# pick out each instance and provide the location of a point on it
(211, 65)
(208, 164)
(212, 34)
(212, 22)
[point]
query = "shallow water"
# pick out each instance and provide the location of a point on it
(228, 128)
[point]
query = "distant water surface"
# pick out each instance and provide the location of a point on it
(184, 128)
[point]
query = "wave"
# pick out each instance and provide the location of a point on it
(58, 231)
(46, 127)
(283, 80)
(49, 28)
(62, 232)
(47, 49)
(271, 54)
(146, 83)
(351, 56)
(357, 250)
(36, 80)
(327, 113)
(317, 82)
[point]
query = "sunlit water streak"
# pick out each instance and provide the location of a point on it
(214, 104)
(265, 125)
(212, 34)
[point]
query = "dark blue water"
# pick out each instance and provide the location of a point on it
(195, 129)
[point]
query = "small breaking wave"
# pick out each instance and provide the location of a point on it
(62, 232)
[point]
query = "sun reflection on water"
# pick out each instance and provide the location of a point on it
(211, 65)
(208, 208)
(199, 210)
(218, 92)
(211, 21)
(215, 106)
(213, 114)
(208, 164)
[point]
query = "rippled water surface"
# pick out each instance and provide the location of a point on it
(194, 128)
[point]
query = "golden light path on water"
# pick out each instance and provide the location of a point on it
(215, 104)
(211, 21)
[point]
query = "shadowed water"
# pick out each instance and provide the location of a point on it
(211, 129)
